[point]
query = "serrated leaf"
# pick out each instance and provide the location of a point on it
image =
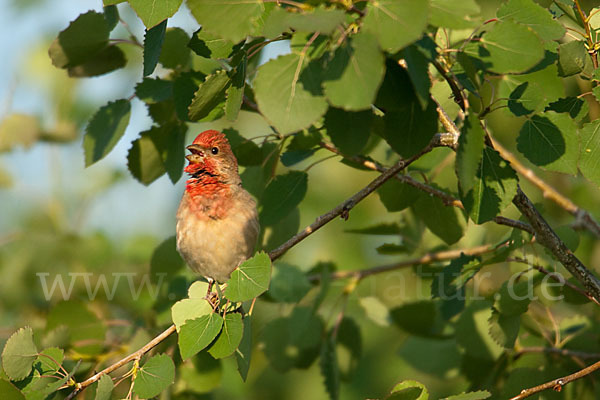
(349, 131)
(329, 368)
(230, 337)
(454, 14)
(511, 48)
(441, 220)
(319, 19)
(210, 46)
(417, 66)
(469, 152)
(408, 390)
(293, 101)
(105, 388)
(111, 15)
(210, 93)
(198, 333)
(153, 12)
(19, 354)
(504, 329)
(478, 395)
(84, 37)
(528, 13)
(282, 195)
(184, 87)
(106, 60)
(396, 23)
(175, 53)
(451, 280)
(250, 279)
(243, 354)
(105, 129)
(153, 41)
(193, 307)
(493, 190)
(514, 297)
(157, 374)
(589, 159)
(235, 92)
(354, 73)
(153, 91)
(242, 17)
(573, 58)
(549, 140)
(472, 332)
(288, 284)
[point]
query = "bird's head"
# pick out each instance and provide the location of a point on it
(211, 157)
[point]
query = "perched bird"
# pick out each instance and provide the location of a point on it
(217, 221)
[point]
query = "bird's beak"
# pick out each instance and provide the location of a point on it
(197, 153)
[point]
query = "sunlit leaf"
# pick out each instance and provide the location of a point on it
(153, 12)
(19, 354)
(250, 279)
(157, 374)
(198, 333)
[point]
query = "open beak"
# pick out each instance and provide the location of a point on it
(197, 153)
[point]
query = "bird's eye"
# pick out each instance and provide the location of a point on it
(214, 150)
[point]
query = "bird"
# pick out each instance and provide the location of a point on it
(217, 220)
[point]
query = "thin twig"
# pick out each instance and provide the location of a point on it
(588, 33)
(555, 350)
(557, 384)
(456, 92)
(582, 217)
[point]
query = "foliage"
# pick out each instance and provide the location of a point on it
(367, 83)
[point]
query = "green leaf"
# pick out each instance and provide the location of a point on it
(175, 53)
(230, 337)
(329, 368)
(243, 354)
(550, 140)
(454, 276)
(111, 15)
(246, 151)
(493, 190)
(235, 92)
(504, 329)
(157, 374)
(511, 48)
(407, 127)
(201, 375)
(153, 41)
(526, 98)
(184, 87)
(453, 14)
(210, 93)
(469, 152)
(49, 360)
(396, 23)
(153, 12)
(472, 331)
(87, 332)
(198, 333)
(105, 388)
(293, 157)
(241, 16)
(210, 46)
(288, 284)
(417, 66)
(478, 395)
(589, 159)
(573, 58)
(375, 310)
(283, 230)
(409, 390)
(417, 318)
(354, 73)
(106, 60)
(19, 354)
(83, 38)
(153, 91)
(396, 195)
(193, 307)
(442, 220)
(528, 13)
(250, 279)
(10, 392)
(379, 229)
(319, 19)
(282, 195)
(105, 129)
(514, 297)
(293, 101)
(349, 131)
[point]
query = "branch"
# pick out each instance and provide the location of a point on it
(582, 217)
(557, 384)
(448, 199)
(425, 259)
(549, 239)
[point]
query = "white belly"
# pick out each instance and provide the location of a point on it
(215, 247)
